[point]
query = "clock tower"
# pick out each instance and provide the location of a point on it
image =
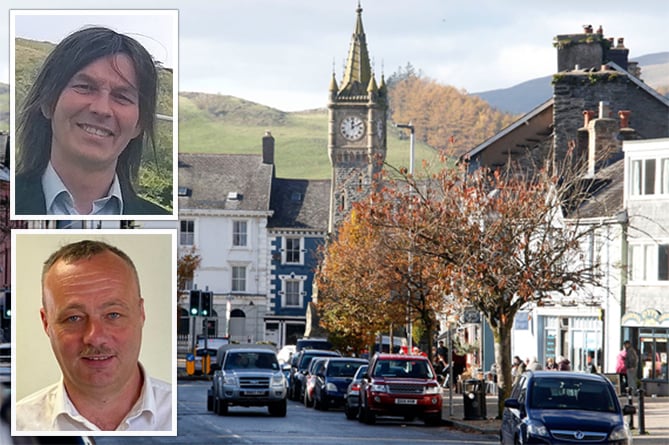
(357, 112)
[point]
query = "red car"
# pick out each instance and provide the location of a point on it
(400, 385)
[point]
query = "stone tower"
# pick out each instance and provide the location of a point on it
(357, 112)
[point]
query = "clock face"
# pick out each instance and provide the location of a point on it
(352, 128)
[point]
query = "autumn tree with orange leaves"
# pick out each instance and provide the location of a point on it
(498, 239)
(368, 281)
(187, 264)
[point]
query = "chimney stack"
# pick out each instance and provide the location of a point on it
(268, 148)
(603, 143)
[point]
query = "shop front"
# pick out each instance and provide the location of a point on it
(649, 331)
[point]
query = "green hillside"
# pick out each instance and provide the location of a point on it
(224, 124)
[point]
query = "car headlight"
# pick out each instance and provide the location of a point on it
(536, 428)
(432, 390)
(230, 379)
(331, 387)
(278, 380)
(379, 388)
(621, 432)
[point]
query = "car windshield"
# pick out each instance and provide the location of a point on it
(342, 369)
(569, 393)
(251, 360)
(418, 369)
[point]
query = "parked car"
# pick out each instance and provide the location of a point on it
(352, 396)
(247, 375)
(558, 407)
(400, 385)
(298, 369)
(332, 379)
(312, 343)
(285, 354)
(315, 366)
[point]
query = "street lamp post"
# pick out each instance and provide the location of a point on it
(411, 129)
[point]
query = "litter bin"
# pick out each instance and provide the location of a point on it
(473, 394)
(190, 364)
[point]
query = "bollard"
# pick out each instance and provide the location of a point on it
(642, 415)
(630, 402)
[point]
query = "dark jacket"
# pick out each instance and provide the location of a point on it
(29, 199)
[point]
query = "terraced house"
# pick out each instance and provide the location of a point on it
(614, 123)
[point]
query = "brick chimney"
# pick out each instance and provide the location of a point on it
(268, 148)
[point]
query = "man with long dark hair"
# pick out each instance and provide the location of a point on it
(83, 126)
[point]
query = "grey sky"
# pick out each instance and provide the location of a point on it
(282, 52)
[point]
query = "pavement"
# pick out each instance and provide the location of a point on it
(655, 431)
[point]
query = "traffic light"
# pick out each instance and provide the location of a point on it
(205, 303)
(195, 302)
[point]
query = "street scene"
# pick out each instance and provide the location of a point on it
(399, 260)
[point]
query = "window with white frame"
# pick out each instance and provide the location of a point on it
(664, 176)
(238, 279)
(187, 232)
(649, 177)
(292, 292)
(239, 233)
(292, 250)
(649, 262)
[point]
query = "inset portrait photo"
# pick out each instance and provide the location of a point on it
(93, 114)
(93, 333)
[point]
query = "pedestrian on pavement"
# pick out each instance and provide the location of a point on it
(534, 365)
(631, 364)
(93, 313)
(517, 369)
(621, 371)
(563, 364)
(550, 364)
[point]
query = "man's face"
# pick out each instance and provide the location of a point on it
(93, 315)
(96, 115)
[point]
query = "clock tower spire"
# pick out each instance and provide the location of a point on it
(357, 112)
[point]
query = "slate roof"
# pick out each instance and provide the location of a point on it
(300, 204)
(208, 179)
(607, 197)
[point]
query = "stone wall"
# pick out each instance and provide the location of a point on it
(575, 92)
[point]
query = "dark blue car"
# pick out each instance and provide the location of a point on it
(550, 407)
(333, 379)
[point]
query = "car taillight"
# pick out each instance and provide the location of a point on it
(355, 387)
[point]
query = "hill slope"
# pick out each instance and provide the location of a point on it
(525, 96)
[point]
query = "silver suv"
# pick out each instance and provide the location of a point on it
(247, 375)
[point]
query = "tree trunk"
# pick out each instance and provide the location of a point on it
(501, 334)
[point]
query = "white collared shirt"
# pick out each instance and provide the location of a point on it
(50, 409)
(59, 200)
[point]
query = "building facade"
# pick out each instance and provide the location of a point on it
(645, 320)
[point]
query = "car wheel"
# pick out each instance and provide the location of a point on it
(278, 409)
(220, 407)
(324, 403)
(307, 400)
(366, 416)
(351, 413)
(432, 419)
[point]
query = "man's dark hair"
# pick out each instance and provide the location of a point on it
(86, 249)
(71, 55)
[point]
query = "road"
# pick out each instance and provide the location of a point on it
(300, 426)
